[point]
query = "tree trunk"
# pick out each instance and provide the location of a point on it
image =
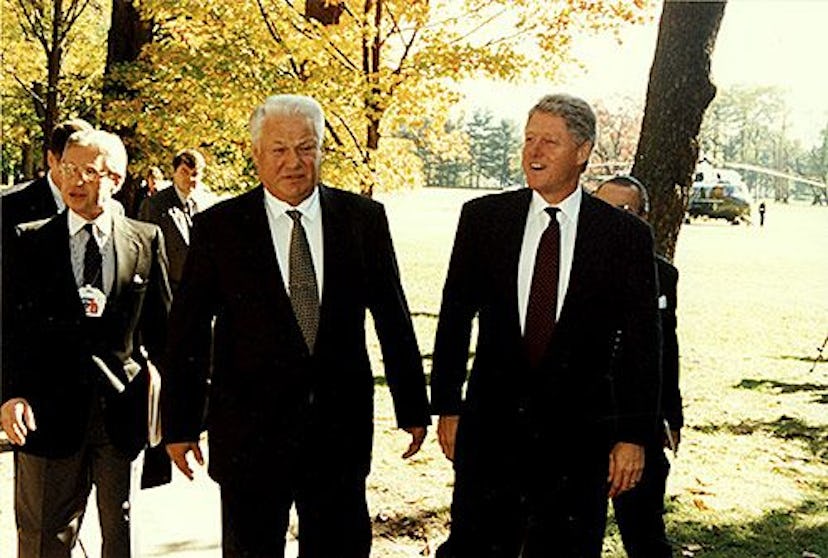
(374, 109)
(678, 93)
(324, 11)
(54, 59)
(128, 34)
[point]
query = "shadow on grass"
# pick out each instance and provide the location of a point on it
(415, 526)
(819, 390)
(785, 427)
(425, 315)
(786, 532)
(800, 358)
(381, 381)
(183, 546)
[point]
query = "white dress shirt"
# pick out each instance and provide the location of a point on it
(536, 222)
(102, 231)
(281, 226)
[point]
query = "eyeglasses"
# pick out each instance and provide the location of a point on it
(87, 174)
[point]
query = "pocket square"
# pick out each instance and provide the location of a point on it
(662, 302)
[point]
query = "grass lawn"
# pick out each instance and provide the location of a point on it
(751, 476)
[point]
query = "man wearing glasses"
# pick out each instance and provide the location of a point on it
(76, 382)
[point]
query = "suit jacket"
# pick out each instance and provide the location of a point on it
(51, 344)
(28, 201)
(670, 394)
(574, 397)
(166, 210)
(272, 402)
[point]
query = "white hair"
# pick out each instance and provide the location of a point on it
(110, 145)
(288, 105)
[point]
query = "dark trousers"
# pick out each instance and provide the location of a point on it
(639, 513)
(530, 512)
(51, 497)
(332, 510)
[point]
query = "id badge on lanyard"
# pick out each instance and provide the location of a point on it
(93, 300)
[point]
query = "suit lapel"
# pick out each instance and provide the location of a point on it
(335, 237)
(175, 211)
(127, 248)
(260, 253)
(512, 227)
(56, 240)
(584, 254)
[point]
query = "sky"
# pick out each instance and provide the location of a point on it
(760, 42)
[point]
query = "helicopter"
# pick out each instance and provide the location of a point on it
(719, 193)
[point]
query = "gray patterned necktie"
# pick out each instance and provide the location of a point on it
(304, 293)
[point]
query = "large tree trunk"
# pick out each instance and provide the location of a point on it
(54, 60)
(128, 34)
(679, 91)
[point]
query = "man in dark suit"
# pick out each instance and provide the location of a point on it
(547, 429)
(173, 209)
(93, 285)
(40, 198)
(639, 513)
(29, 201)
(286, 272)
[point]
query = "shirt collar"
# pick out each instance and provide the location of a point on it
(309, 207)
(569, 207)
(55, 192)
(102, 223)
(183, 198)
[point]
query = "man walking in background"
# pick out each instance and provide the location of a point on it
(547, 428)
(173, 209)
(639, 512)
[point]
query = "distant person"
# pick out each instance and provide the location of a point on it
(639, 513)
(173, 209)
(147, 188)
(287, 272)
(76, 395)
(762, 214)
(546, 428)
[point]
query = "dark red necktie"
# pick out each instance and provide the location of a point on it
(543, 294)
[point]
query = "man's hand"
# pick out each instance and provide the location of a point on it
(447, 434)
(626, 463)
(17, 419)
(418, 434)
(178, 453)
(676, 435)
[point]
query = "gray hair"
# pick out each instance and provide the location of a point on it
(288, 105)
(578, 115)
(110, 145)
